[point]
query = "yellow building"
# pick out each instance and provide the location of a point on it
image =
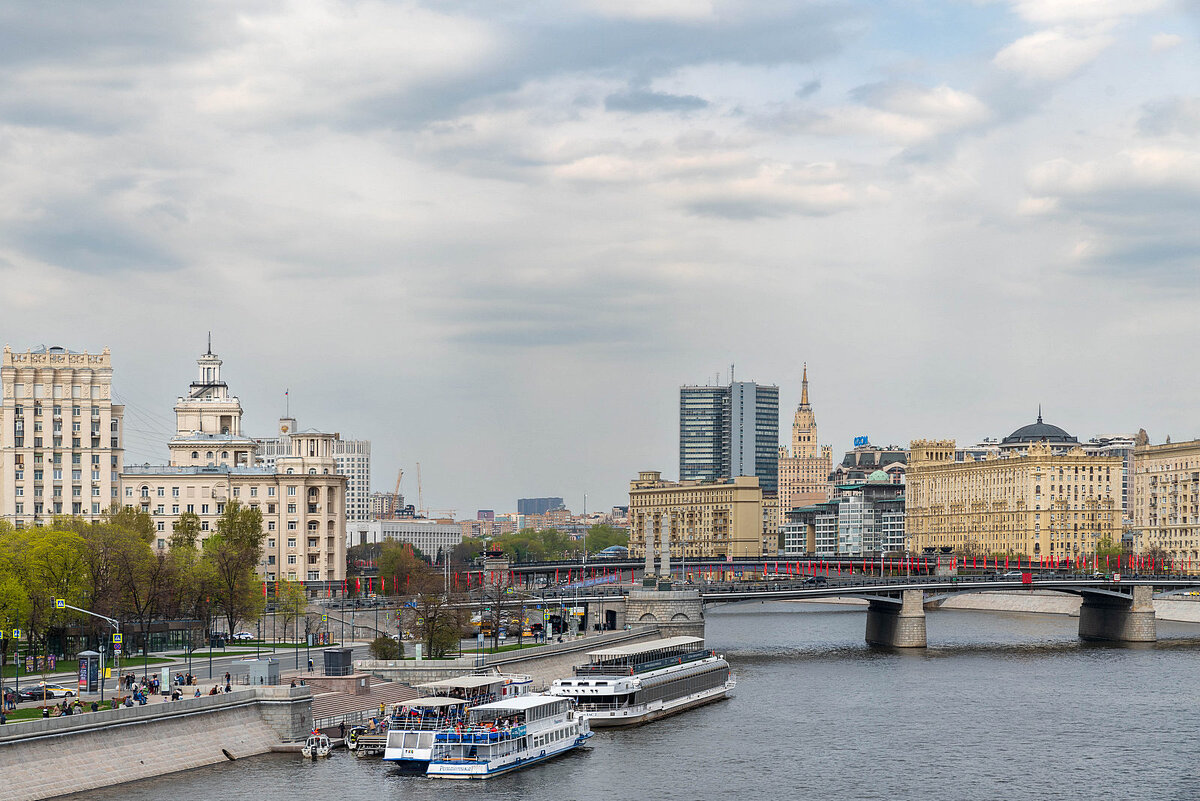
(1041, 495)
(1166, 498)
(704, 519)
(804, 472)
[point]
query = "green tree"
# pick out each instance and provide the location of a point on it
(290, 604)
(233, 553)
(401, 566)
(384, 647)
(186, 531)
(602, 536)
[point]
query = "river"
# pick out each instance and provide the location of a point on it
(1000, 706)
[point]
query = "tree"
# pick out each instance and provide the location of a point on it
(384, 647)
(600, 537)
(438, 621)
(400, 563)
(186, 531)
(233, 552)
(290, 603)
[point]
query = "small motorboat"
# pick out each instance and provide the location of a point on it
(317, 745)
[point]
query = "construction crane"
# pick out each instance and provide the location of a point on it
(429, 513)
(395, 496)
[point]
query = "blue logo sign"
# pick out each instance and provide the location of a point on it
(859, 441)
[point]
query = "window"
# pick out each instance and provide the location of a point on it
(20, 491)
(254, 492)
(270, 508)
(291, 525)
(314, 575)
(174, 508)
(271, 526)
(291, 508)
(57, 472)
(291, 490)
(270, 492)
(160, 526)
(312, 542)
(191, 507)
(291, 542)
(271, 559)
(220, 508)
(161, 492)
(158, 510)
(291, 559)
(195, 454)
(174, 492)
(204, 525)
(20, 508)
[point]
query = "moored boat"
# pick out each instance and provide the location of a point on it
(413, 724)
(631, 684)
(316, 745)
(506, 736)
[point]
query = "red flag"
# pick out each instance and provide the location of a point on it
(358, 585)
(264, 589)
(382, 586)
(396, 583)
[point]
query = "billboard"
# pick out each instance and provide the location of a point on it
(860, 441)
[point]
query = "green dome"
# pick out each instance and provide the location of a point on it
(879, 477)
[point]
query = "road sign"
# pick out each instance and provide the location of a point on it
(117, 638)
(117, 649)
(324, 618)
(59, 603)
(16, 634)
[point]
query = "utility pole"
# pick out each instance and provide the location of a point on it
(60, 603)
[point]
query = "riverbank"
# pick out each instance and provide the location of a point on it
(56, 756)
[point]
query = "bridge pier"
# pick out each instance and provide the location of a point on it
(1104, 617)
(897, 625)
(675, 612)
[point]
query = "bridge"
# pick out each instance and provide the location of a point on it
(1118, 609)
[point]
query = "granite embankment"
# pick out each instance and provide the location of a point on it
(56, 756)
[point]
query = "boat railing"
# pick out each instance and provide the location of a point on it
(472, 736)
(631, 668)
(422, 722)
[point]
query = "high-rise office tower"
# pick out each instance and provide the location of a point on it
(729, 431)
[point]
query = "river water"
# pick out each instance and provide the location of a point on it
(1000, 706)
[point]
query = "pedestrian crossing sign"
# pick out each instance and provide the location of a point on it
(117, 639)
(16, 634)
(59, 603)
(324, 618)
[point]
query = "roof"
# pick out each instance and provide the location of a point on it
(521, 702)
(644, 647)
(437, 700)
(465, 682)
(1038, 432)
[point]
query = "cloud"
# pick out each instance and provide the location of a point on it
(637, 102)
(808, 89)
(680, 10)
(1051, 55)
(1055, 12)
(1161, 42)
(1173, 115)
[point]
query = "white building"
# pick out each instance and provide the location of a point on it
(60, 435)
(353, 459)
(430, 537)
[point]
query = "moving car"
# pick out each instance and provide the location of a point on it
(815, 580)
(243, 635)
(52, 690)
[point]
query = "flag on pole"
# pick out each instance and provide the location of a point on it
(264, 589)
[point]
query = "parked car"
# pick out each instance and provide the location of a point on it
(815, 580)
(52, 690)
(243, 635)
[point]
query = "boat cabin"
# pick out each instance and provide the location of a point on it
(626, 660)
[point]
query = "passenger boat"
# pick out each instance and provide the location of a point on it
(506, 736)
(413, 724)
(632, 684)
(317, 745)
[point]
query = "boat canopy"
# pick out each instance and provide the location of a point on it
(524, 708)
(464, 682)
(637, 649)
(430, 702)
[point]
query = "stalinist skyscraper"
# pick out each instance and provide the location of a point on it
(803, 473)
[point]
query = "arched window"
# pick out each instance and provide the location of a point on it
(312, 471)
(209, 455)
(290, 471)
(224, 454)
(312, 525)
(195, 454)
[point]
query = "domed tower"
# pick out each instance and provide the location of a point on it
(1040, 432)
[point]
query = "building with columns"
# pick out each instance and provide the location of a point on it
(60, 435)
(705, 518)
(353, 459)
(302, 497)
(1039, 494)
(1166, 498)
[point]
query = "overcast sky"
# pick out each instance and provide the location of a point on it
(494, 237)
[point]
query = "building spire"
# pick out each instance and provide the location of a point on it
(1039, 412)
(209, 351)
(804, 387)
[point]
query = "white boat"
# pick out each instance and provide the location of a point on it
(631, 684)
(413, 724)
(506, 736)
(317, 745)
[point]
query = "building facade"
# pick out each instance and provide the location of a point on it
(433, 538)
(1122, 446)
(60, 435)
(858, 464)
(804, 470)
(1166, 498)
(703, 519)
(302, 497)
(352, 457)
(730, 431)
(538, 506)
(861, 519)
(1041, 495)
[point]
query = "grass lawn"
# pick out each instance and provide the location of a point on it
(512, 647)
(72, 666)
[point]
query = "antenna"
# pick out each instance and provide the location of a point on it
(730, 373)
(209, 352)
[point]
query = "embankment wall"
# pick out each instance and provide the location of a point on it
(56, 756)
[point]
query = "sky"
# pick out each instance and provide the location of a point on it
(495, 237)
